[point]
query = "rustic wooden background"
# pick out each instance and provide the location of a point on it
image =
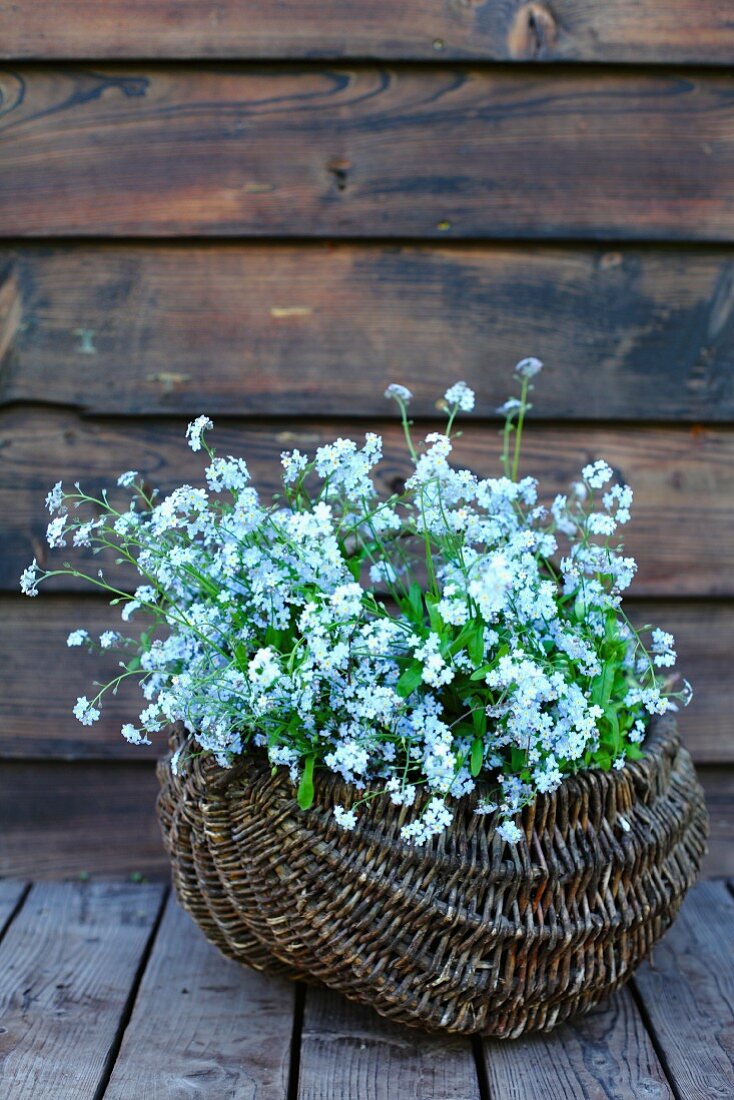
(266, 212)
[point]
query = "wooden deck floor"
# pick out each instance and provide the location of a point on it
(107, 990)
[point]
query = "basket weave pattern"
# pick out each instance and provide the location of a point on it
(468, 934)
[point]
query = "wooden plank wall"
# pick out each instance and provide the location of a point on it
(268, 212)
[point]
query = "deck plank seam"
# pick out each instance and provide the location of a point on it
(132, 996)
(5, 926)
(480, 1064)
(654, 1039)
(294, 1067)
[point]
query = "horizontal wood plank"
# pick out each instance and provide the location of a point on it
(688, 993)
(313, 329)
(606, 1054)
(218, 1029)
(348, 1050)
(39, 724)
(683, 480)
(61, 819)
(629, 30)
(42, 679)
(718, 782)
(368, 152)
(68, 967)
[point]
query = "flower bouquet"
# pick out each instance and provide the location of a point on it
(418, 751)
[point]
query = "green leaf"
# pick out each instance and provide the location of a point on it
(519, 758)
(240, 656)
(475, 643)
(410, 680)
(601, 688)
(610, 713)
(415, 603)
(481, 672)
(477, 756)
(634, 752)
(437, 623)
(603, 760)
(305, 793)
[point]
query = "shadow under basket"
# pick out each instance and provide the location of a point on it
(466, 934)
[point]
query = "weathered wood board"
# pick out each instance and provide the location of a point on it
(511, 30)
(371, 152)
(347, 1050)
(58, 820)
(607, 1053)
(68, 965)
(688, 993)
(11, 893)
(203, 1026)
(315, 329)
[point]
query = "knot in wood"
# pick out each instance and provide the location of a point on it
(533, 31)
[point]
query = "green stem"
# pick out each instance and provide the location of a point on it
(518, 430)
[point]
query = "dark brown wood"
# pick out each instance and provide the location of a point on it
(42, 679)
(605, 1055)
(68, 966)
(203, 1026)
(347, 1050)
(41, 725)
(718, 782)
(688, 994)
(73, 819)
(368, 152)
(704, 634)
(683, 480)
(509, 30)
(314, 329)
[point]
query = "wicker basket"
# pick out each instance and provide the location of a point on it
(469, 934)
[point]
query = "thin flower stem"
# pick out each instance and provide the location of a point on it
(518, 430)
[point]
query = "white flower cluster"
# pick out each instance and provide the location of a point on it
(302, 629)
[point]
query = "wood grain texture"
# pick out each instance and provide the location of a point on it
(314, 329)
(506, 30)
(683, 480)
(202, 1025)
(688, 994)
(718, 782)
(704, 636)
(11, 892)
(348, 1050)
(42, 679)
(60, 819)
(607, 1055)
(40, 725)
(368, 152)
(67, 969)
(69, 819)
